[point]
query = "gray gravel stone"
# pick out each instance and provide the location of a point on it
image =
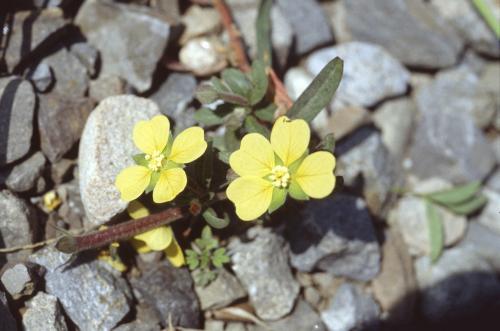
(106, 86)
(351, 309)
(170, 291)
(42, 77)
(118, 31)
(413, 32)
(335, 235)
(449, 145)
(93, 295)
(266, 277)
(309, 24)
(490, 215)
(17, 224)
(33, 31)
(17, 105)
(459, 284)
(88, 56)
(44, 313)
(23, 176)
(221, 292)
(484, 242)
(146, 319)
(18, 281)
(365, 81)
(70, 74)
(8, 321)
(494, 181)
(106, 148)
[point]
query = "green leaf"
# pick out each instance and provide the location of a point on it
(469, 206)
(266, 113)
(140, 159)
(328, 143)
(207, 117)
(263, 29)
(233, 98)
(296, 191)
(206, 93)
(259, 81)
(252, 125)
(213, 220)
(237, 81)
(278, 199)
(192, 259)
(206, 233)
(319, 93)
(219, 85)
(455, 195)
(155, 175)
(436, 236)
(224, 156)
(231, 141)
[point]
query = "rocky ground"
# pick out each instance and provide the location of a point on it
(418, 109)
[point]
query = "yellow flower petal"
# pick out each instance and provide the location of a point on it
(140, 246)
(136, 210)
(254, 158)
(315, 174)
(152, 135)
(251, 196)
(132, 181)
(189, 145)
(175, 255)
(290, 139)
(169, 185)
(157, 239)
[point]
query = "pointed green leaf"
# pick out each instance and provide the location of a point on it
(328, 143)
(252, 125)
(296, 191)
(219, 85)
(266, 113)
(206, 93)
(436, 235)
(207, 117)
(231, 141)
(206, 233)
(319, 93)
(233, 98)
(213, 220)
(455, 195)
(278, 199)
(469, 206)
(237, 81)
(140, 159)
(259, 81)
(263, 29)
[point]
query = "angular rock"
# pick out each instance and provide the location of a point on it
(235, 326)
(458, 285)
(170, 291)
(119, 31)
(8, 321)
(44, 313)
(214, 325)
(266, 277)
(106, 86)
(106, 148)
(303, 317)
(496, 148)
(60, 121)
(494, 181)
(369, 81)
(221, 292)
(101, 289)
(199, 21)
(42, 77)
(434, 43)
(363, 153)
(62, 170)
(308, 22)
(17, 105)
(71, 209)
(32, 31)
(458, 90)
(335, 235)
(489, 216)
(454, 148)
(173, 97)
(484, 242)
(24, 176)
(18, 280)
(411, 216)
(351, 309)
(489, 82)
(469, 24)
(17, 224)
(145, 320)
(70, 74)
(88, 56)
(395, 119)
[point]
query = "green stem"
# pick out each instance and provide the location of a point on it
(488, 16)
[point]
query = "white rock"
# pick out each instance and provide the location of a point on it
(106, 148)
(201, 56)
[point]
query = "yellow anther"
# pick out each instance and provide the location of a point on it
(155, 160)
(280, 176)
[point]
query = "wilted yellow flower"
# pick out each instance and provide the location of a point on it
(270, 170)
(51, 200)
(160, 166)
(159, 239)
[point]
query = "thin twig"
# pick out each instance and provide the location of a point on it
(30, 246)
(234, 35)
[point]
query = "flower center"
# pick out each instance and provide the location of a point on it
(280, 176)
(155, 160)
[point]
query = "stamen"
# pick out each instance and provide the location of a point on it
(280, 176)
(155, 160)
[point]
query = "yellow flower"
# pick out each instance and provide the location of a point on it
(51, 200)
(159, 239)
(270, 170)
(159, 168)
